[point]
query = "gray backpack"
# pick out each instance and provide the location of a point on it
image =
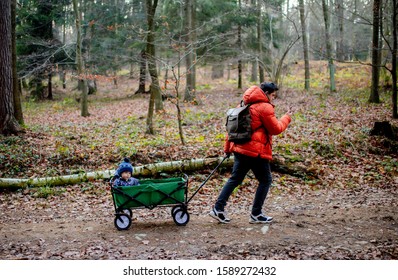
(238, 124)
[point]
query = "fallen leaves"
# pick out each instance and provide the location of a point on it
(349, 213)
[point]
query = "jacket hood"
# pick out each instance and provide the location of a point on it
(254, 94)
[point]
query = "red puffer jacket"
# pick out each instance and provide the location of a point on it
(264, 125)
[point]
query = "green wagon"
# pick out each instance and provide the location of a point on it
(151, 193)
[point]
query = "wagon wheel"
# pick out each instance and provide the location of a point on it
(176, 208)
(126, 211)
(122, 221)
(181, 217)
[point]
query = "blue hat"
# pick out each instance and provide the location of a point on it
(270, 87)
(125, 166)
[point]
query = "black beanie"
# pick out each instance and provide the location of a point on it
(270, 87)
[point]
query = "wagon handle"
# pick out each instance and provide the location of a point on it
(207, 179)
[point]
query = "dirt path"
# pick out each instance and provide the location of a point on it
(339, 224)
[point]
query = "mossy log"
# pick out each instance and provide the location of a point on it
(149, 170)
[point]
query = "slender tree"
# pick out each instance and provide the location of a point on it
(305, 45)
(339, 11)
(155, 99)
(189, 58)
(79, 60)
(142, 77)
(394, 58)
(240, 66)
(259, 41)
(8, 123)
(16, 92)
(328, 42)
(374, 93)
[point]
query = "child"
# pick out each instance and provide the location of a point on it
(124, 175)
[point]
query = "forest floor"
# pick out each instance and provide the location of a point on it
(349, 210)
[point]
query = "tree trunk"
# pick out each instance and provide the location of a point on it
(339, 4)
(278, 71)
(63, 78)
(151, 56)
(190, 51)
(328, 45)
(217, 71)
(253, 76)
(394, 59)
(8, 123)
(177, 103)
(149, 170)
(79, 60)
(142, 78)
(50, 86)
(385, 129)
(374, 94)
(92, 87)
(17, 94)
(194, 39)
(240, 49)
(151, 107)
(84, 108)
(305, 45)
(260, 43)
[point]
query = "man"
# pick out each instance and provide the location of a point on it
(255, 154)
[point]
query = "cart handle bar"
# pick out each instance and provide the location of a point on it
(207, 179)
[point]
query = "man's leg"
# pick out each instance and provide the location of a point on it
(262, 170)
(239, 171)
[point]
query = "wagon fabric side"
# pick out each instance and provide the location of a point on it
(151, 193)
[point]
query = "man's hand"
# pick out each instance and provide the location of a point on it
(227, 155)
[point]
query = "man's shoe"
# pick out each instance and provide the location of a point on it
(260, 219)
(220, 216)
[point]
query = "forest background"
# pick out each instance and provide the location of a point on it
(92, 82)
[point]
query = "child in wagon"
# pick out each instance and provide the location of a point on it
(124, 175)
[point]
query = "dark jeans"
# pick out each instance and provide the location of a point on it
(242, 165)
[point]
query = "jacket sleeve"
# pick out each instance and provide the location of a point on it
(271, 123)
(227, 145)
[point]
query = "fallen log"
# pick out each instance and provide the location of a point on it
(149, 170)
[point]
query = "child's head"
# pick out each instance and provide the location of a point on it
(125, 169)
(126, 175)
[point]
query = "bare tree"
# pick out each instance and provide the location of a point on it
(305, 45)
(393, 49)
(328, 45)
(155, 98)
(240, 48)
(142, 78)
(277, 56)
(339, 10)
(259, 42)
(79, 60)
(374, 93)
(190, 57)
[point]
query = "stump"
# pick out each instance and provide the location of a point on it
(384, 129)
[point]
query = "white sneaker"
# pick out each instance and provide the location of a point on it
(260, 219)
(220, 216)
